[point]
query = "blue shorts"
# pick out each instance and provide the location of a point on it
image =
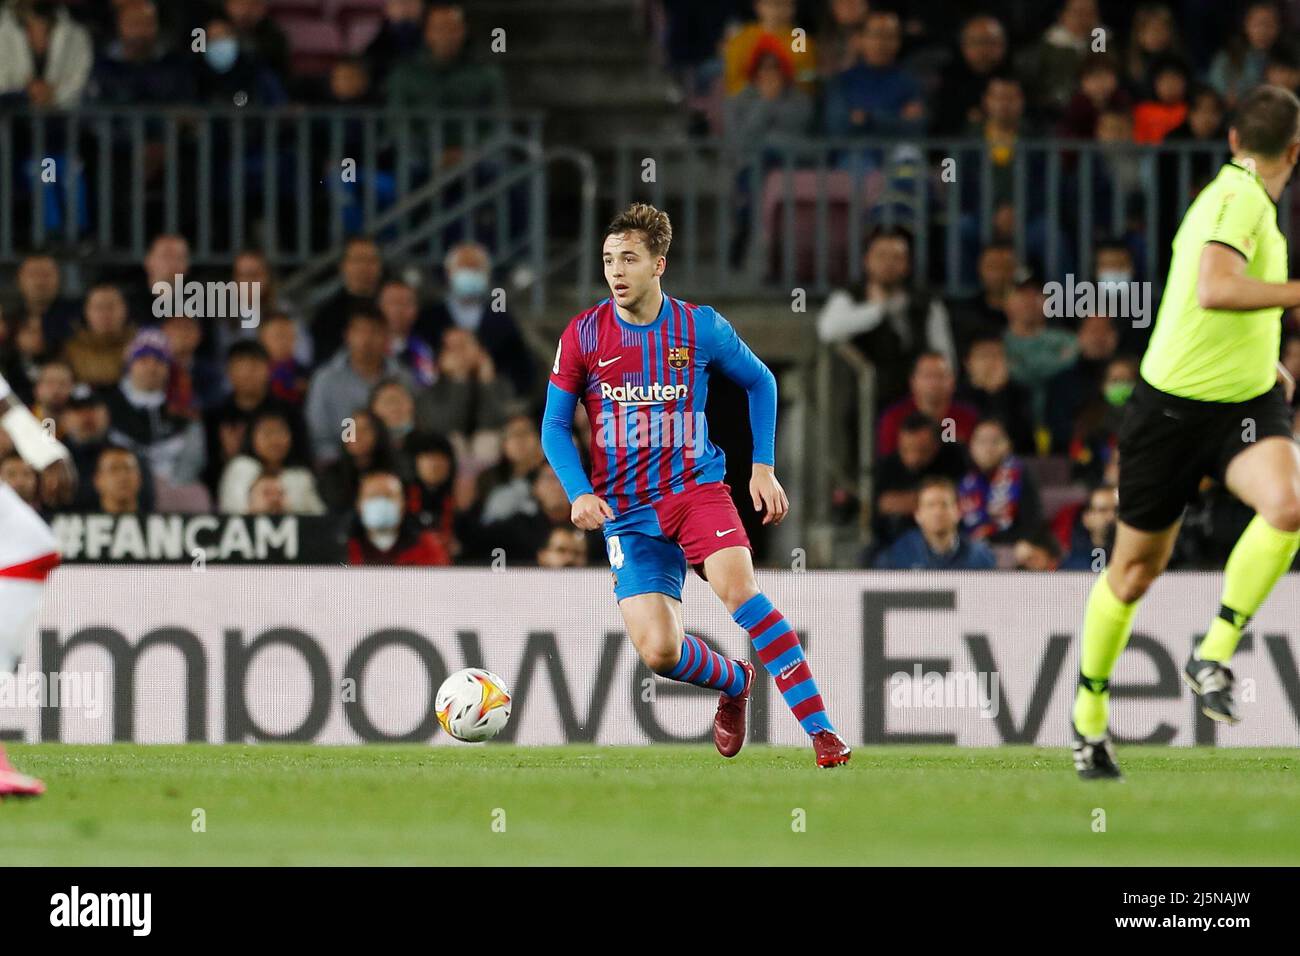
(642, 558)
(651, 546)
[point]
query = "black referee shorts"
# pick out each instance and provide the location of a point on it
(1167, 444)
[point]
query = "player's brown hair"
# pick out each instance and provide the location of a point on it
(653, 224)
(1267, 121)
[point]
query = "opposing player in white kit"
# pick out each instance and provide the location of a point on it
(28, 552)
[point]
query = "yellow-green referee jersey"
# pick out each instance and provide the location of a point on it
(1215, 355)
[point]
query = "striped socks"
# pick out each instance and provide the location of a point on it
(781, 653)
(704, 667)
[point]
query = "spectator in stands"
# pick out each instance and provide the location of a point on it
(345, 382)
(774, 20)
(22, 478)
(1096, 431)
(172, 445)
(506, 488)
(1283, 69)
(1050, 68)
(27, 343)
(97, 351)
(40, 297)
(837, 45)
(196, 384)
(168, 256)
(468, 401)
(432, 494)
(226, 424)
(565, 548)
(400, 308)
(363, 446)
(921, 454)
(383, 534)
(1093, 534)
(393, 404)
(83, 428)
(137, 68)
(229, 73)
(987, 388)
(279, 335)
(958, 105)
(259, 35)
(998, 496)
(1099, 90)
(117, 481)
(1204, 121)
(472, 304)
(524, 535)
(51, 391)
(1241, 64)
(1156, 118)
(268, 450)
(876, 96)
(936, 543)
(361, 270)
(931, 392)
(399, 37)
(252, 271)
(267, 496)
(1079, 384)
(771, 108)
(12, 365)
(1153, 36)
(349, 85)
(45, 55)
(443, 75)
(1038, 551)
(892, 323)
(1035, 351)
(985, 313)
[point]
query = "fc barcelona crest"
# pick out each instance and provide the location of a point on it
(679, 357)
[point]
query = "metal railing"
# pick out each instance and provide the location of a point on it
(762, 220)
(294, 182)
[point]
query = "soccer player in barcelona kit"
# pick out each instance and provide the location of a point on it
(639, 361)
(1212, 400)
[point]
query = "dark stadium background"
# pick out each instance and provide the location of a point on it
(337, 133)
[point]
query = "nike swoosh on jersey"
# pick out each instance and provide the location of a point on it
(603, 363)
(723, 534)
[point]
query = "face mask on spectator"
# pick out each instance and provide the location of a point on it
(1117, 393)
(222, 54)
(469, 283)
(1114, 275)
(380, 514)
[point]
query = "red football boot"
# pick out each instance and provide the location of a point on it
(15, 784)
(729, 721)
(831, 751)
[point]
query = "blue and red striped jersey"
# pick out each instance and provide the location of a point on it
(645, 387)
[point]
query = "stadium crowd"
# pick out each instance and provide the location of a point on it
(415, 413)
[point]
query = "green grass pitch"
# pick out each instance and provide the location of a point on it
(307, 805)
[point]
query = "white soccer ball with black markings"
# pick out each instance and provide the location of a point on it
(473, 705)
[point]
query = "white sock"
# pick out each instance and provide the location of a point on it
(20, 608)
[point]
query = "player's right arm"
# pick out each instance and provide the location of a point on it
(1222, 283)
(45, 453)
(568, 378)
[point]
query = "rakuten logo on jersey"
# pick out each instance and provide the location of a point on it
(655, 393)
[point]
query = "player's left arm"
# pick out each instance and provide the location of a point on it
(45, 453)
(739, 363)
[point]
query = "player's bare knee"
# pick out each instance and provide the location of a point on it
(1282, 510)
(735, 592)
(1132, 579)
(661, 658)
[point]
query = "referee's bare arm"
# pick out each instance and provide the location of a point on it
(1222, 283)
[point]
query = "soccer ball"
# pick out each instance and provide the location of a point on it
(473, 705)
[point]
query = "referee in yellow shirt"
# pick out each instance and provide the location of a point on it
(1212, 400)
